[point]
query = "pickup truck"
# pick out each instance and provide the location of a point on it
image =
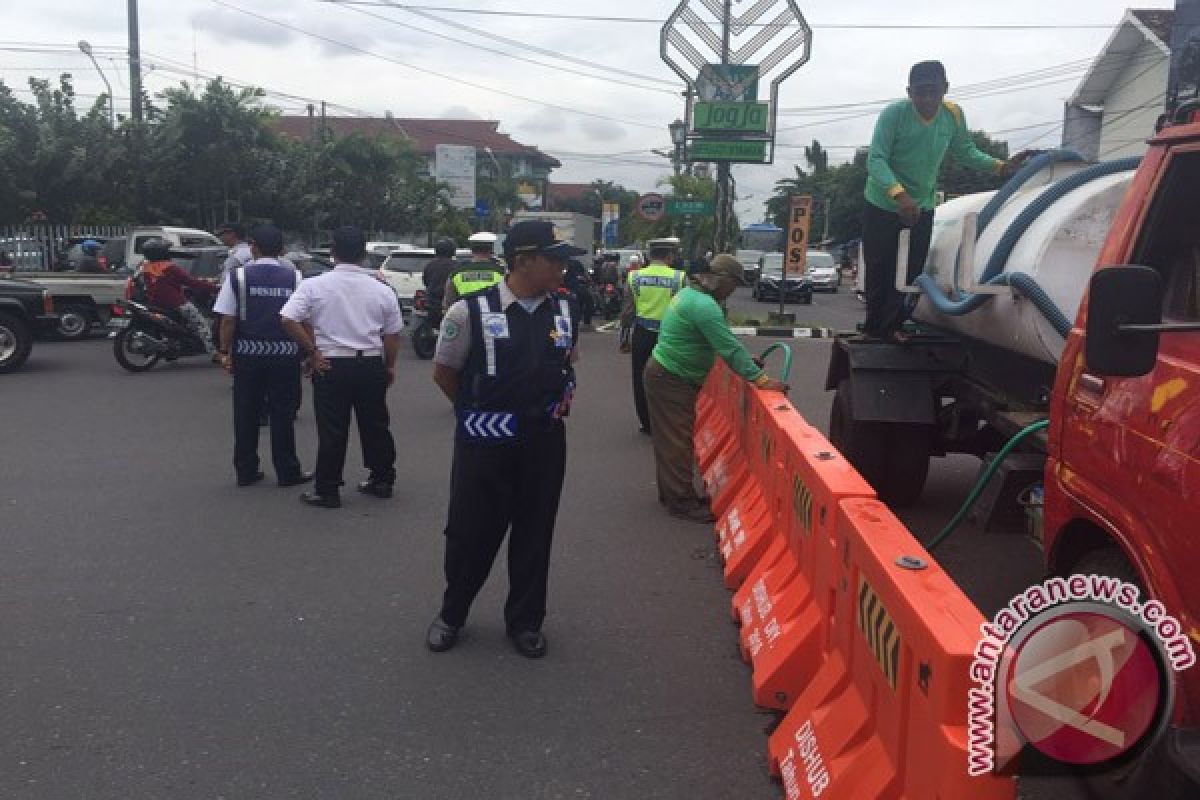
(82, 299)
(25, 309)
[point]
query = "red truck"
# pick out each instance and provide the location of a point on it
(1122, 478)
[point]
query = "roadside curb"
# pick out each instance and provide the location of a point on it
(784, 333)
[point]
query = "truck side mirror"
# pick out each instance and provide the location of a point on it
(1118, 299)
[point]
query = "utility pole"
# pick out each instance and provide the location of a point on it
(135, 64)
(724, 170)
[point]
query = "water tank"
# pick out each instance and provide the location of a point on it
(1058, 250)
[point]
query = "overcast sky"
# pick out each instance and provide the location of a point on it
(365, 60)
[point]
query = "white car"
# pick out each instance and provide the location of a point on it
(402, 270)
(823, 271)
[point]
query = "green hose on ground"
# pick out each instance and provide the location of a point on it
(977, 489)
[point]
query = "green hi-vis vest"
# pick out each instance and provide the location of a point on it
(476, 277)
(653, 287)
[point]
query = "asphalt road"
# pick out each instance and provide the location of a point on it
(164, 634)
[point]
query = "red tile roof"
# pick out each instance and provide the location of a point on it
(424, 133)
(558, 192)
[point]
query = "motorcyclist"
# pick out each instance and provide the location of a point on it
(437, 272)
(481, 272)
(165, 282)
(578, 283)
(90, 261)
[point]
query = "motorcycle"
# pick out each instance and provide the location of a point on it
(427, 320)
(146, 335)
(611, 306)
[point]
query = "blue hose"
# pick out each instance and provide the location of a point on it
(994, 274)
(1033, 167)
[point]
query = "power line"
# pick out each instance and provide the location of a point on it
(526, 45)
(516, 57)
(442, 75)
(657, 21)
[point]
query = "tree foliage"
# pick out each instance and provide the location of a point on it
(201, 156)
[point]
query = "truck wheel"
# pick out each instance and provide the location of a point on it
(892, 456)
(74, 322)
(864, 444)
(1108, 561)
(16, 342)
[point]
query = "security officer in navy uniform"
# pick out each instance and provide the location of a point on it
(504, 358)
(264, 360)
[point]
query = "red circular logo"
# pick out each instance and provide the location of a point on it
(1084, 687)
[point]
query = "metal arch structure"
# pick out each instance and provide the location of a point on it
(703, 32)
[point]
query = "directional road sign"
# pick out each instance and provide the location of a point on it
(680, 208)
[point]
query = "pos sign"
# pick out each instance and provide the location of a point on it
(795, 261)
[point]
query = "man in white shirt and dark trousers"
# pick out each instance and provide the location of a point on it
(263, 359)
(348, 324)
(504, 359)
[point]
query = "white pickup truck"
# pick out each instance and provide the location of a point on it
(84, 299)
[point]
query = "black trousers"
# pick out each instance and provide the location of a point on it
(265, 386)
(642, 343)
(358, 385)
(881, 235)
(496, 490)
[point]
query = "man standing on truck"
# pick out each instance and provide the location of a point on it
(910, 142)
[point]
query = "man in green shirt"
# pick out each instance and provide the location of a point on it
(693, 333)
(910, 141)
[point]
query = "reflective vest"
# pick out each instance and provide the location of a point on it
(653, 287)
(262, 288)
(475, 277)
(518, 379)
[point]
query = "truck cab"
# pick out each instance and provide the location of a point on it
(1122, 478)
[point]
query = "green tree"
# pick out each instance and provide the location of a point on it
(957, 179)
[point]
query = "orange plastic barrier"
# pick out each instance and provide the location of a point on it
(786, 601)
(884, 715)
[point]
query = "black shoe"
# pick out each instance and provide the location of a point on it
(303, 477)
(441, 637)
(253, 479)
(321, 500)
(531, 644)
(380, 490)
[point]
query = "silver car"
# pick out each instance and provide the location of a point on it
(823, 271)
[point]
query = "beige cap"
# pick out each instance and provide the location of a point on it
(726, 266)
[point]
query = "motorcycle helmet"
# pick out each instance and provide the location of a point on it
(156, 249)
(445, 248)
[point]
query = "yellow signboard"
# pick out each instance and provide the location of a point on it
(799, 222)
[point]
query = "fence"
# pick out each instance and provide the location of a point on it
(41, 247)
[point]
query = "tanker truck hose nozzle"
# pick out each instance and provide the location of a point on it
(993, 273)
(983, 481)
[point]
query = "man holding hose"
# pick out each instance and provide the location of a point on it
(693, 333)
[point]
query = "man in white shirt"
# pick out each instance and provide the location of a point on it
(348, 325)
(233, 235)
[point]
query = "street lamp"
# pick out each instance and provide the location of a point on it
(678, 130)
(86, 49)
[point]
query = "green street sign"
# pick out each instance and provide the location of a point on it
(744, 117)
(680, 208)
(749, 152)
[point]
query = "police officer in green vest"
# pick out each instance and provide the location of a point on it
(481, 272)
(649, 292)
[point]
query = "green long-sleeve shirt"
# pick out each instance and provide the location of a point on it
(693, 333)
(907, 153)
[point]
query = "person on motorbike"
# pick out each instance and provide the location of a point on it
(90, 260)
(481, 272)
(437, 272)
(165, 283)
(578, 282)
